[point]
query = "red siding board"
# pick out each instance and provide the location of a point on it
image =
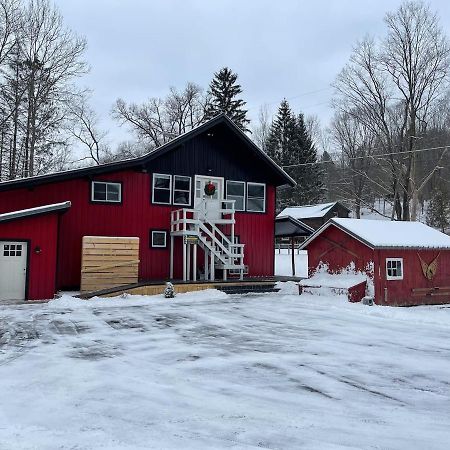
(134, 217)
(39, 231)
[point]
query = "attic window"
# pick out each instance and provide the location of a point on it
(394, 268)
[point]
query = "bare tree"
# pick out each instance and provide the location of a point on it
(159, 120)
(84, 127)
(393, 84)
(261, 131)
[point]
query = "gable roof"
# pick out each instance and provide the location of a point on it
(310, 211)
(287, 226)
(281, 175)
(45, 209)
(385, 234)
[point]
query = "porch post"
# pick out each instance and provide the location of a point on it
(206, 264)
(293, 256)
(184, 260)
(188, 263)
(212, 267)
(171, 257)
(194, 263)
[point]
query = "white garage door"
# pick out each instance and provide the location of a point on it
(13, 270)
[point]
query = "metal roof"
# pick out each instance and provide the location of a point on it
(13, 215)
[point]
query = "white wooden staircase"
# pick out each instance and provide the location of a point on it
(199, 227)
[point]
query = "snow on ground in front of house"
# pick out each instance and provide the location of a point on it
(283, 263)
(211, 371)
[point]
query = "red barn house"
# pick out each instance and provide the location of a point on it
(410, 261)
(161, 198)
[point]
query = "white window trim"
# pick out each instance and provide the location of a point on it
(181, 190)
(165, 175)
(106, 192)
(264, 202)
(390, 277)
(245, 193)
(165, 238)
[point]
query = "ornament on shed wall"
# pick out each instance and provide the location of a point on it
(429, 270)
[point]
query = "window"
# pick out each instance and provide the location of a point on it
(12, 250)
(106, 192)
(162, 187)
(236, 191)
(256, 197)
(394, 268)
(158, 238)
(181, 190)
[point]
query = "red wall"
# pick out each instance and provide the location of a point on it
(347, 250)
(134, 217)
(40, 231)
(399, 292)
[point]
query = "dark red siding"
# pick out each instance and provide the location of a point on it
(134, 217)
(39, 231)
(338, 249)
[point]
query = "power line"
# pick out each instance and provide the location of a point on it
(380, 156)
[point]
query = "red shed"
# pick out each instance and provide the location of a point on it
(408, 261)
(28, 252)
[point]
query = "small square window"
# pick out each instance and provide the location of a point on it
(158, 239)
(394, 268)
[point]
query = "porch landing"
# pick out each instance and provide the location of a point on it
(248, 285)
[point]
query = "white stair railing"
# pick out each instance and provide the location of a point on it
(220, 251)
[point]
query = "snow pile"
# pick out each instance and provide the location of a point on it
(341, 280)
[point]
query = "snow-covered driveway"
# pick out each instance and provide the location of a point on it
(210, 371)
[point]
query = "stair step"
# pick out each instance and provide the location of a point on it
(247, 289)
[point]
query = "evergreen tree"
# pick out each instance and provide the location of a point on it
(223, 98)
(290, 145)
(438, 212)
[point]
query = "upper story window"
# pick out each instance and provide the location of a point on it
(394, 268)
(256, 197)
(181, 190)
(106, 192)
(162, 188)
(236, 191)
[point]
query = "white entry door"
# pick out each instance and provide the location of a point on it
(13, 270)
(212, 203)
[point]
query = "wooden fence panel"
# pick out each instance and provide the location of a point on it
(108, 262)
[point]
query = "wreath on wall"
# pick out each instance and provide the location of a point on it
(210, 189)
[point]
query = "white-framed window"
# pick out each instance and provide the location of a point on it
(158, 238)
(394, 268)
(256, 197)
(162, 188)
(106, 192)
(236, 191)
(181, 190)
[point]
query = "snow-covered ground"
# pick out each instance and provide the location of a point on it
(283, 263)
(211, 371)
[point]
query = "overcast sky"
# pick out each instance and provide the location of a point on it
(139, 48)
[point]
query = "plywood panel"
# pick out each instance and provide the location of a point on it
(108, 262)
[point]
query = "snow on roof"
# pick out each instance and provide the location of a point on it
(392, 234)
(34, 211)
(307, 211)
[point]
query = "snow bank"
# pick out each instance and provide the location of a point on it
(283, 263)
